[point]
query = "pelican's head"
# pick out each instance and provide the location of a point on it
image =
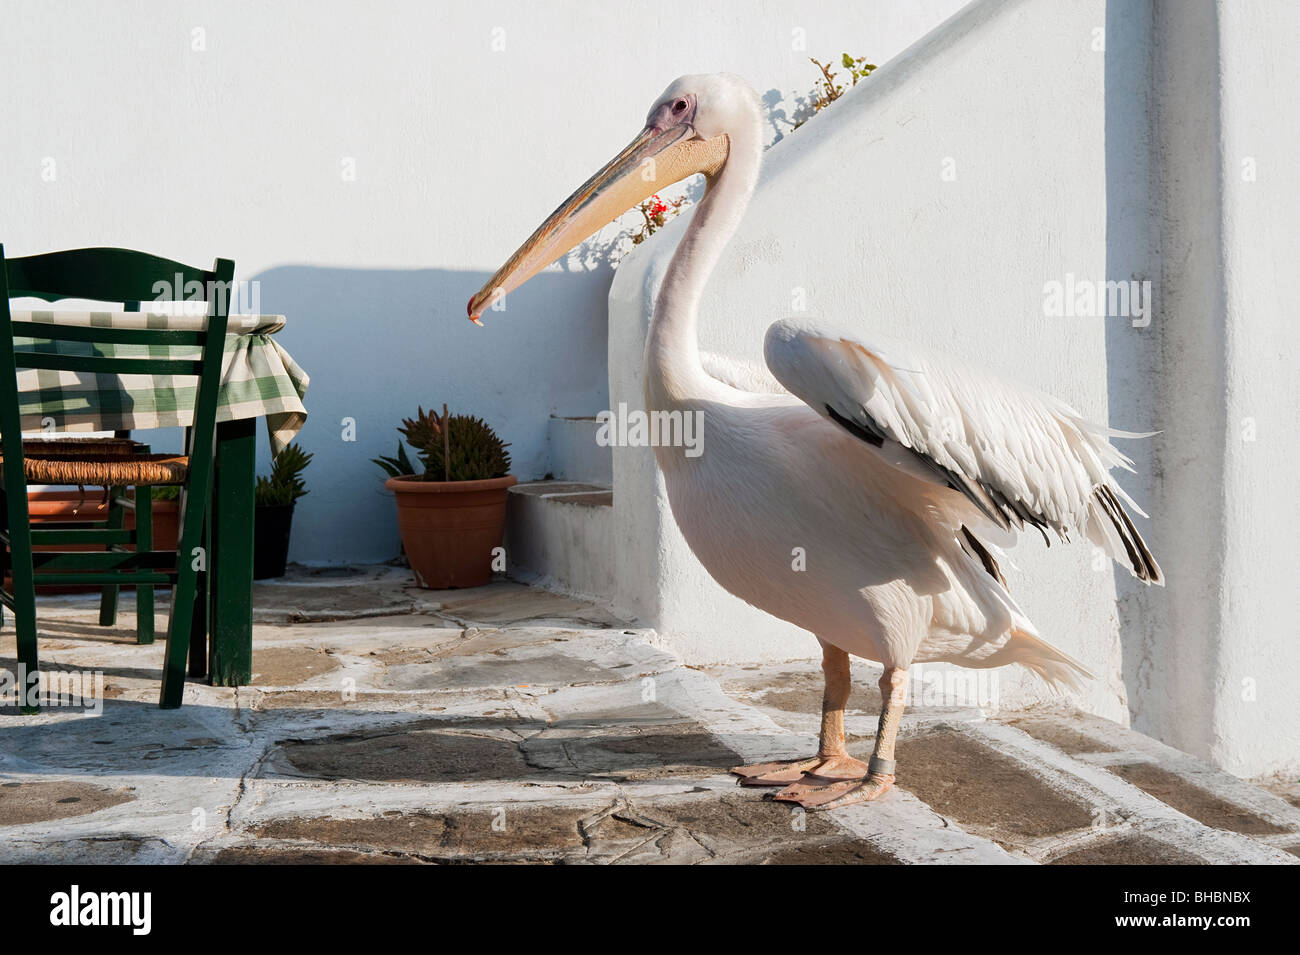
(686, 132)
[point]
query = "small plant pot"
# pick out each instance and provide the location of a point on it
(271, 526)
(450, 528)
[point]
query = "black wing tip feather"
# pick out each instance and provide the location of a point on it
(1140, 559)
(990, 565)
(1016, 512)
(875, 438)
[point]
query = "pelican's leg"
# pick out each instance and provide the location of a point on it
(880, 778)
(832, 762)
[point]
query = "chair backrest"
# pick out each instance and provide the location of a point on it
(109, 275)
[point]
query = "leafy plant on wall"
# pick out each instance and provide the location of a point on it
(827, 89)
(656, 212)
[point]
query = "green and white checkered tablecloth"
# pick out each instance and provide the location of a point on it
(258, 378)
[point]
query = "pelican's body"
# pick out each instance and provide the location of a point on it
(856, 489)
(790, 514)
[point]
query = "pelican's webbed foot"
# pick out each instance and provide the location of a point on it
(821, 770)
(814, 795)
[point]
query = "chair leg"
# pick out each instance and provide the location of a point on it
(144, 632)
(108, 595)
(202, 615)
(191, 561)
(4, 551)
(180, 621)
(20, 545)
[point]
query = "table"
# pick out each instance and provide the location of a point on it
(259, 379)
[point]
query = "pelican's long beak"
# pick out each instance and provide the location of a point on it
(656, 159)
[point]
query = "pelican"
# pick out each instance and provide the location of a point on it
(900, 471)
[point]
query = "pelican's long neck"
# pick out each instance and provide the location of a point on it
(673, 372)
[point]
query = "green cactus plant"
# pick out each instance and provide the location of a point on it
(455, 447)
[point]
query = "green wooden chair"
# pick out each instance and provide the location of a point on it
(109, 275)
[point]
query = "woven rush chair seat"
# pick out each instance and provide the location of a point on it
(108, 469)
(71, 447)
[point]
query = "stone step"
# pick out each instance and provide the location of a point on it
(560, 536)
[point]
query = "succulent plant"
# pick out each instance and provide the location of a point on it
(454, 447)
(399, 465)
(285, 484)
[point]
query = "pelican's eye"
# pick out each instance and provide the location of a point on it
(679, 106)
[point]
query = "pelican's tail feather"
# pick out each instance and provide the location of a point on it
(1058, 668)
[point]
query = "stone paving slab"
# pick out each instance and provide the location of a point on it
(391, 725)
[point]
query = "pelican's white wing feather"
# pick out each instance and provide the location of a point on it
(1020, 456)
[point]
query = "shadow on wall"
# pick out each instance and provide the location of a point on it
(379, 342)
(1133, 351)
(782, 121)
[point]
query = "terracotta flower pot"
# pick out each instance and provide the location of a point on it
(450, 528)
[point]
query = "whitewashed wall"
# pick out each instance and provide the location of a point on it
(198, 129)
(1221, 660)
(1022, 142)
